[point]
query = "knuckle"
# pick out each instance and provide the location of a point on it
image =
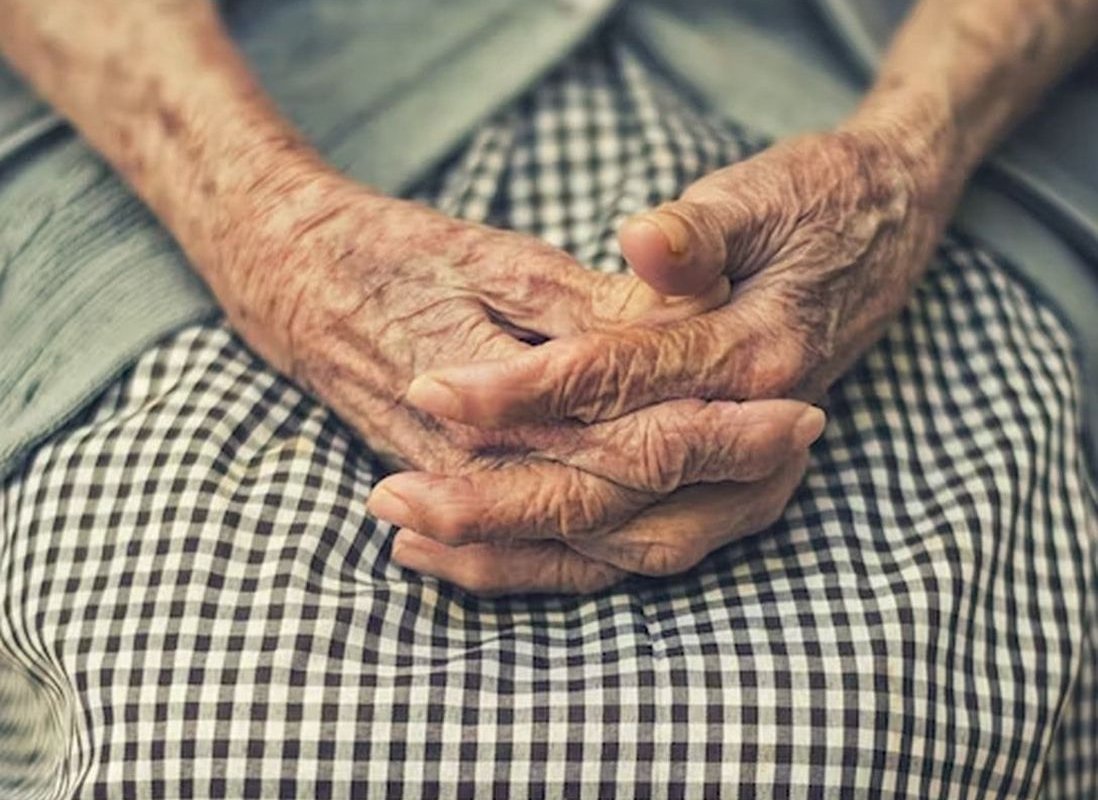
(776, 373)
(710, 442)
(663, 458)
(618, 298)
(733, 456)
(689, 360)
(503, 508)
(751, 452)
(604, 368)
(471, 333)
(578, 508)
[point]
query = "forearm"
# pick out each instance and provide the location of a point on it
(961, 73)
(158, 88)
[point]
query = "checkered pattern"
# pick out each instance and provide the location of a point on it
(193, 602)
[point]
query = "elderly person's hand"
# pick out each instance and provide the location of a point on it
(665, 538)
(823, 238)
(352, 294)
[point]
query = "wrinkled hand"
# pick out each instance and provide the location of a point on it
(665, 538)
(352, 295)
(823, 238)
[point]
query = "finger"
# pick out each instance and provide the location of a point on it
(615, 479)
(625, 300)
(722, 225)
(680, 247)
(672, 536)
(660, 448)
(553, 295)
(728, 354)
(492, 570)
(522, 502)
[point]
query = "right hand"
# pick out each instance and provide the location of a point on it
(353, 295)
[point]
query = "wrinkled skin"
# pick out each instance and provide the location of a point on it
(352, 295)
(823, 238)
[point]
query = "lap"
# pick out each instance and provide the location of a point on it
(206, 609)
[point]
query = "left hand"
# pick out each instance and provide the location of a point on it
(823, 238)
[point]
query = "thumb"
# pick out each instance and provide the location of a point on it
(682, 247)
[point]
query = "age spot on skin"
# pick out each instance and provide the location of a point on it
(170, 121)
(55, 54)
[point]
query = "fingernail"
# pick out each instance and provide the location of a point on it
(409, 556)
(404, 549)
(386, 505)
(412, 551)
(808, 427)
(676, 234)
(432, 395)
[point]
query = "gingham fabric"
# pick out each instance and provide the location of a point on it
(195, 603)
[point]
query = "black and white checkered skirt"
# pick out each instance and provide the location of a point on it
(194, 603)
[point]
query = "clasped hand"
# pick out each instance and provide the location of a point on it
(557, 428)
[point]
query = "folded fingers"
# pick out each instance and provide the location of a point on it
(734, 352)
(493, 570)
(674, 535)
(521, 502)
(681, 442)
(613, 470)
(667, 538)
